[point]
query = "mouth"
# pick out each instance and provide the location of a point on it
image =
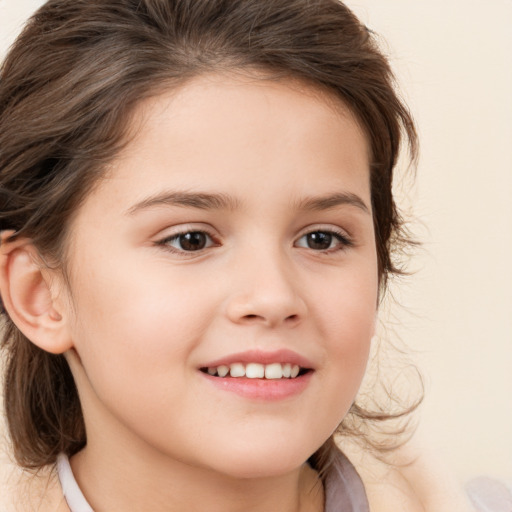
(260, 376)
(271, 371)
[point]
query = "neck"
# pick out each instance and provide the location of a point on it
(129, 481)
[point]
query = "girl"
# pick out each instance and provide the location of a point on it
(197, 225)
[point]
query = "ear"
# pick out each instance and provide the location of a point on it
(30, 294)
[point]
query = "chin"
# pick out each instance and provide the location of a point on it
(264, 462)
(261, 469)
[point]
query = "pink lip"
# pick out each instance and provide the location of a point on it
(261, 357)
(261, 389)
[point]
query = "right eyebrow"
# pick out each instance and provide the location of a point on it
(199, 200)
(332, 200)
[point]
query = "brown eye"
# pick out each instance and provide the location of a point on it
(324, 241)
(194, 241)
(319, 240)
(188, 242)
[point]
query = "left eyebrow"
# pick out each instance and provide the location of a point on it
(331, 201)
(199, 200)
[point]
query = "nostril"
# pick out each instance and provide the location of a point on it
(291, 319)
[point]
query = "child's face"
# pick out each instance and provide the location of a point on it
(235, 228)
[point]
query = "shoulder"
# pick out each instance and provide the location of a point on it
(24, 491)
(409, 479)
(489, 495)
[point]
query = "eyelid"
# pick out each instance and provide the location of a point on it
(177, 231)
(328, 228)
(345, 239)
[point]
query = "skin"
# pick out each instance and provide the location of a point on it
(139, 315)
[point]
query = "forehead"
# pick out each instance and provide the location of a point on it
(228, 118)
(244, 136)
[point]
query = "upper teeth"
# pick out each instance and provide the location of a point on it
(256, 370)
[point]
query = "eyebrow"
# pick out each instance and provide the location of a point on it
(331, 201)
(219, 201)
(199, 200)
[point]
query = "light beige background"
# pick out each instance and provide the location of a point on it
(453, 59)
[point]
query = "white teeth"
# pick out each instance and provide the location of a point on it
(237, 370)
(254, 371)
(273, 371)
(222, 371)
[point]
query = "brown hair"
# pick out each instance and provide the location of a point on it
(67, 90)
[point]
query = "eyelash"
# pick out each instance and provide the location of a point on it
(165, 242)
(343, 241)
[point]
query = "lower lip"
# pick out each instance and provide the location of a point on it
(262, 389)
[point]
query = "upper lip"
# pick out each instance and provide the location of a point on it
(262, 357)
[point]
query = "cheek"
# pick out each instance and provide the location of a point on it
(135, 338)
(348, 314)
(349, 345)
(348, 306)
(144, 325)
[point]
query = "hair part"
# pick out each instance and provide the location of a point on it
(68, 89)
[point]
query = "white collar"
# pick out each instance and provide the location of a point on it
(74, 498)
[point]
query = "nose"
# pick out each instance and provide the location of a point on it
(265, 291)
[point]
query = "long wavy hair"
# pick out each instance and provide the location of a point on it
(67, 90)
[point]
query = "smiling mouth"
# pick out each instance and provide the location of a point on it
(273, 371)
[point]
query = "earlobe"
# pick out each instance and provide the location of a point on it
(26, 290)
